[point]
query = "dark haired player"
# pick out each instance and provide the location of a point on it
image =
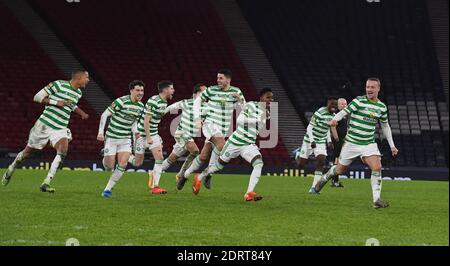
(125, 113)
(60, 99)
(317, 139)
(243, 143)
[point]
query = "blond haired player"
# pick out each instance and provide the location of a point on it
(364, 113)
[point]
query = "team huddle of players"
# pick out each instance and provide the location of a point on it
(133, 129)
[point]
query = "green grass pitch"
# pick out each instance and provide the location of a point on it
(287, 215)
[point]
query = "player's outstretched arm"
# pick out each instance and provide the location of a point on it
(338, 117)
(81, 113)
(101, 128)
(43, 97)
(173, 107)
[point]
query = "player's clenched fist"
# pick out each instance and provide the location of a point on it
(100, 137)
(394, 151)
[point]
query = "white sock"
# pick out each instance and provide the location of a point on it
(187, 163)
(54, 168)
(166, 164)
(157, 169)
(375, 181)
(214, 157)
(17, 161)
(196, 164)
(317, 177)
(254, 176)
(332, 172)
(211, 170)
(132, 160)
(115, 177)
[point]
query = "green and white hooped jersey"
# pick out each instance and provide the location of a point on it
(220, 106)
(319, 123)
(54, 116)
(246, 133)
(155, 107)
(125, 114)
(186, 128)
(364, 116)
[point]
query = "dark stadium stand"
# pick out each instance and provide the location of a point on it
(24, 70)
(351, 41)
(187, 44)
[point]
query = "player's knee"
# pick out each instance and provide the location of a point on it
(320, 163)
(376, 168)
(340, 169)
(174, 156)
(108, 165)
(219, 146)
(27, 153)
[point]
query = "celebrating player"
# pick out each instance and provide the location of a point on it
(220, 100)
(242, 143)
(148, 137)
(60, 99)
(365, 112)
(317, 139)
(185, 133)
(125, 112)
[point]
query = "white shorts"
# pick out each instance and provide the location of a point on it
(41, 134)
(142, 145)
(306, 150)
(231, 151)
(351, 151)
(209, 130)
(114, 146)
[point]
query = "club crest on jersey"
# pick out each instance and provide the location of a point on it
(115, 107)
(223, 101)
